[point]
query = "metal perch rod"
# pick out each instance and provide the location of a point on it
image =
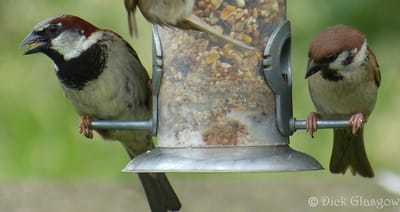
(147, 125)
(321, 124)
(122, 125)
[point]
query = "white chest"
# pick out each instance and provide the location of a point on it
(340, 99)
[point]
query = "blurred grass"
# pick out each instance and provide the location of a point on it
(39, 137)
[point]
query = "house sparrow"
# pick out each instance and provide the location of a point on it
(176, 13)
(103, 78)
(343, 78)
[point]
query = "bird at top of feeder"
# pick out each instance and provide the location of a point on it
(175, 13)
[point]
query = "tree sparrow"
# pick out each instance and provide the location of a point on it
(176, 13)
(343, 79)
(103, 78)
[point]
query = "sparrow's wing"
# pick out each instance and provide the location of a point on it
(373, 64)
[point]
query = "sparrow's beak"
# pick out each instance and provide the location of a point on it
(35, 42)
(313, 68)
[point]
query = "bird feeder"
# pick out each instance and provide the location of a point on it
(220, 108)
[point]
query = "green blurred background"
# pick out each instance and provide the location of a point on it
(39, 138)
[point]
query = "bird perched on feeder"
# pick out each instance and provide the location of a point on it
(103, 78)
(175, 13)
(343, 79)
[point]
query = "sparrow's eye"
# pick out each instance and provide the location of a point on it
(331, 58)
(53, 30)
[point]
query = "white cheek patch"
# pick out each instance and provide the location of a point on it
(337, 64)
(71, 44)
(358, 60)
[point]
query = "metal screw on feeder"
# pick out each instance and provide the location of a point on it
(219, 109)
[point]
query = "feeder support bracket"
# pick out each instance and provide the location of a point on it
(276, 68)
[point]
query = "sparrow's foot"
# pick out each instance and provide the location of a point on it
(356, 122)
(85, 126)
(311, 123)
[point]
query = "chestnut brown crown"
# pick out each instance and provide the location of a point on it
(334, 40)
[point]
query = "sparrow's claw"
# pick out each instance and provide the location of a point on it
(85, 127)
(356, 122)
(311, 123)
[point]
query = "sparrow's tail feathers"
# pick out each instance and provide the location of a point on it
(160, 194)
(200, 25)
(349, 151)
(130, 6)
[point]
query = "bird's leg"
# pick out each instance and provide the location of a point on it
(311, 123)
(85, 127)
(356, 122)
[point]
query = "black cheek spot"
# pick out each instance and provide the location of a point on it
(348, 60)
